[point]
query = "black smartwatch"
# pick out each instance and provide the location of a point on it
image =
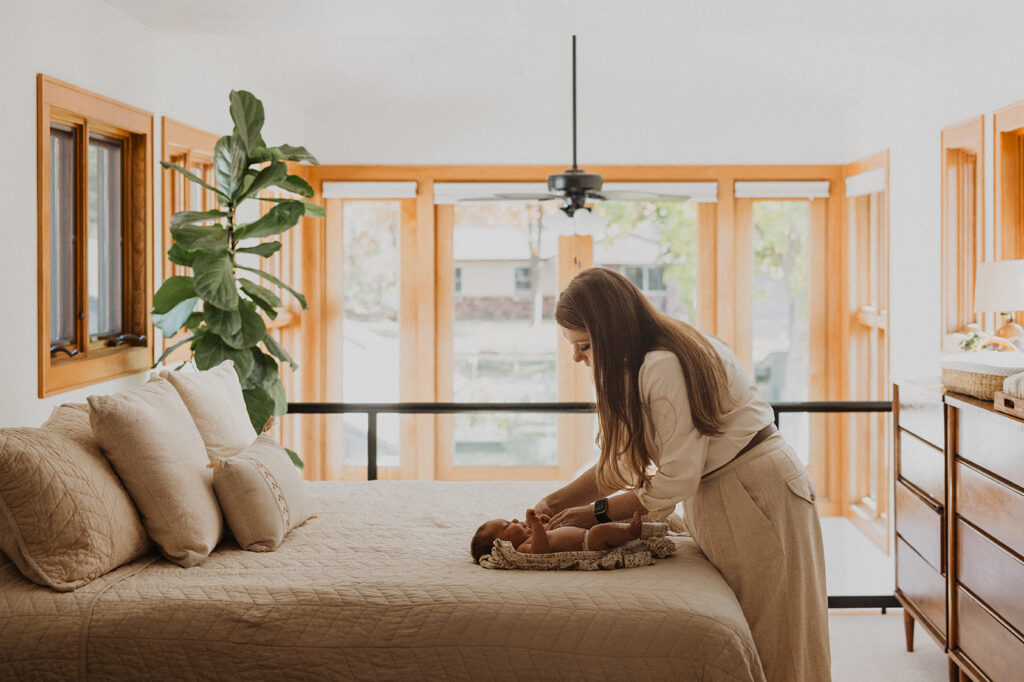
(601, 510)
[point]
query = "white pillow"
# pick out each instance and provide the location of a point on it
(214, 399)
(152, 443)
(261, 495)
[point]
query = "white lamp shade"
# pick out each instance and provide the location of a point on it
(582, 222)
(999, 286)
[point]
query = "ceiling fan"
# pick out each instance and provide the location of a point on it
(576, 187)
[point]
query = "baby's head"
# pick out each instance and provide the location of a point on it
(514, 531)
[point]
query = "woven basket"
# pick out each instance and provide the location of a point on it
(977, 384)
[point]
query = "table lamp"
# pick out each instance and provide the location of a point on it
(999, 288)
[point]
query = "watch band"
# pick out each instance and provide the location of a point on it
(601, 510)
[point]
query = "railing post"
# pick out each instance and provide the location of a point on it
(371, 445)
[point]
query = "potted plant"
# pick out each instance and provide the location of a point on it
(221, 309)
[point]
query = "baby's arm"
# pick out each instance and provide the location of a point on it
(539, 536)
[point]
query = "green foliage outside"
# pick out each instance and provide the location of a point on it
(223, 311)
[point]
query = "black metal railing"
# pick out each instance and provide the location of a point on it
(373, 410)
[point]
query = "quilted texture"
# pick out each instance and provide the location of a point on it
(214, 399)
(381, 586)
(260, 494)
(65, 518)
(150, 440)
(654, 542)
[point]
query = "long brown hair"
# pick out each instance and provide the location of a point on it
(623, 327)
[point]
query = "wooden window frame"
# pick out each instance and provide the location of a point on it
(1008, 140)
(87, 112)
(963, 226)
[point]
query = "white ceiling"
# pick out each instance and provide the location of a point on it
(377, 67)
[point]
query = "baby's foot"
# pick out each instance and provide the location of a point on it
(636, 526)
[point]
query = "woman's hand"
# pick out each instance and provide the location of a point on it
(580, 517)
(545, 508)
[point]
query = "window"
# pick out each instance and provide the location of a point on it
(963, 225)
(95, 199)
(523, 279)
(1009, 182)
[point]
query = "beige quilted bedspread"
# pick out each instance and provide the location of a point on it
(381, 586)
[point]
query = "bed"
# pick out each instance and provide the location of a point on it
(380, 585)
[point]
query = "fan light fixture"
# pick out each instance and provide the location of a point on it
(575, 188)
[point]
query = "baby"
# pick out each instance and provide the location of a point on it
(532, 536)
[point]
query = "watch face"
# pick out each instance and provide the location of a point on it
(601, 506)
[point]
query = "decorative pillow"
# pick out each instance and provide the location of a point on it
(65, 518)
(261, 495)
(214, 399)
(156, 450)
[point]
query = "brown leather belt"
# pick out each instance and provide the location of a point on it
(758, 438)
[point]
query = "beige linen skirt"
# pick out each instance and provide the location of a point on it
(756, 520)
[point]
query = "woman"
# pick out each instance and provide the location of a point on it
(681, 421)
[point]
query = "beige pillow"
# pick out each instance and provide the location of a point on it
(261, 495)
(65, 518)
(155, 448)
(214, 399)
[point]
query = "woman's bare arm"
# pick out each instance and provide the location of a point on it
(582, 490)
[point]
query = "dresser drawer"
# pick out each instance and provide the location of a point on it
(984, 640)
(992, 441)
(989, 505)
(922, 585)
(923, 465)
(920, 525)
(920, 412)
(992, 573)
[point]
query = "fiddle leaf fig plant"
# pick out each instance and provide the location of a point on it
(222, 308)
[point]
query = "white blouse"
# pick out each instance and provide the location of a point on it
(681, 453)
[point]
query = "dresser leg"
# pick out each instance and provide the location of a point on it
(954, 671)
(908, 629)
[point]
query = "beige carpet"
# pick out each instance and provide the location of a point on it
(867, 646)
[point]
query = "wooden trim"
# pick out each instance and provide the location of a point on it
(963, 226)
(707, 268)
(1008, 129)
(61, 102)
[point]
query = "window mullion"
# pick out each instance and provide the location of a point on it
(82, 238)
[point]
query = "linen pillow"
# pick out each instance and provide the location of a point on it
(214, 399)
(156, 450)
(65, 518)
(261, 494)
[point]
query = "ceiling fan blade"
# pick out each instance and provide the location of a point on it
(528, 196)
(634, 195)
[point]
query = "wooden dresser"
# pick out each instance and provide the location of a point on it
(920, 504)
(959, 494)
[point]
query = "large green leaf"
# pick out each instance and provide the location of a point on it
(247, 113)
(211, 350)
(179, 256)
(171, 349)
(293, 183)
(260, 405)
(278, 351)
(188, 217)
(261, 296)
(215, 281)
(267, 276)
(229, 164)
(173, 291)
(194, 320)
(285, 152)
(264, 370)
(223, 323)
(171, 321)
(274, 174)
(252, 328)
(193, 177)
(278, 219)
(201, 237)
(266, 249)
(276, 390)
(312, 210)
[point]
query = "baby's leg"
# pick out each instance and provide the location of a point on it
(608, 535)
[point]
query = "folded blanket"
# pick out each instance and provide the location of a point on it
(654, 542)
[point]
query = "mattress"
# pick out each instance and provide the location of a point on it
(380, 585)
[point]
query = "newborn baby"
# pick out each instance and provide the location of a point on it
(533, 537)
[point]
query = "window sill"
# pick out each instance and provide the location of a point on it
(58, 375)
